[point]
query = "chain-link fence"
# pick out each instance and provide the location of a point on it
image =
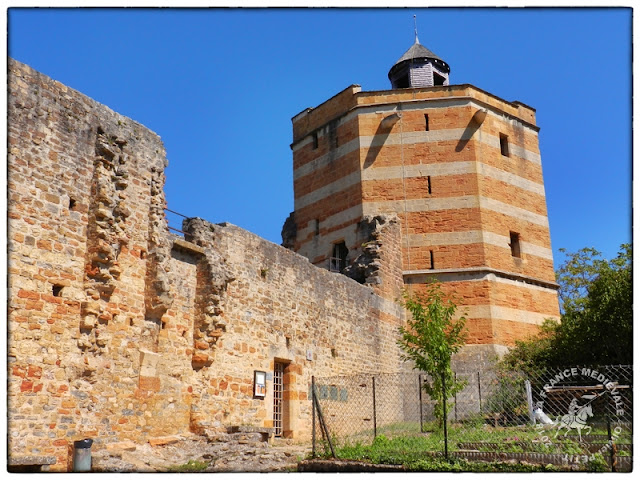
(561, 416)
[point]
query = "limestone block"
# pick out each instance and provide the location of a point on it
(149, 363)
(125, 446)
(89, 321)
(168, 440)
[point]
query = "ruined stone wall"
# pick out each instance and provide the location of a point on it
(379, 263)
(118, 330)
(277, 307)
(87, 247)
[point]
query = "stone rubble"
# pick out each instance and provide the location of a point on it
(227, 453)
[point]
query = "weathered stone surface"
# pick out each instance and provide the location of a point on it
(289, 232)
(31, 460)
(120, 333)
(380, 262)
(119, 447)
(154, 442)
(227, 456)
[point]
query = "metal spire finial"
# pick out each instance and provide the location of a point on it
(415, 28)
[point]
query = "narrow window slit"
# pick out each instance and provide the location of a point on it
(514, 243)
(504, 145)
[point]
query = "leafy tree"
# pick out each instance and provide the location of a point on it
(597, 316)
(531, 355)
(598, 327)
(429, 339)
(575, 276)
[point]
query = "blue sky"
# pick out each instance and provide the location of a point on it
(220, 87)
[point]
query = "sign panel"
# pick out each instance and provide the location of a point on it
(259, 383)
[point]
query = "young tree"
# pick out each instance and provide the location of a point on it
(429, 339)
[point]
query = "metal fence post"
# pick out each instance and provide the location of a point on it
(313, 416)
(527, 386)
(420, 400)
(612, 453)
(444, 415)
(323, 425)
(479, 391)
(455, 399)
(375, 426)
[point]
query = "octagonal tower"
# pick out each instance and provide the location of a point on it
(461, 170)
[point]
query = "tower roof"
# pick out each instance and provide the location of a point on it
(417, 51)
(419, 67)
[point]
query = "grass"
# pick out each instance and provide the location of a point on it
(409, 449)
(462, 465)
(512, 438)
(190, 466)
(409, 452)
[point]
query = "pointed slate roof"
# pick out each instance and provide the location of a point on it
(414, 59)
(417, 51)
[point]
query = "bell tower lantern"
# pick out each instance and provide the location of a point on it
(419, 67)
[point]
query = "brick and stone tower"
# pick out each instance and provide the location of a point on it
(458, 167)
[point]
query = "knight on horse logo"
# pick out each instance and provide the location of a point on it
(577, 417)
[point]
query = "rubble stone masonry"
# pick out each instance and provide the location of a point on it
(118, 330)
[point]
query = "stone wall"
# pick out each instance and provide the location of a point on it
(118, 330)
(280, 308)
(87, 243)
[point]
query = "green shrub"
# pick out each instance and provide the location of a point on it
(463, 465)
(597, 463)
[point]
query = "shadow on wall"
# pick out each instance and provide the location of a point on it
(471, 128)
(383, 131)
